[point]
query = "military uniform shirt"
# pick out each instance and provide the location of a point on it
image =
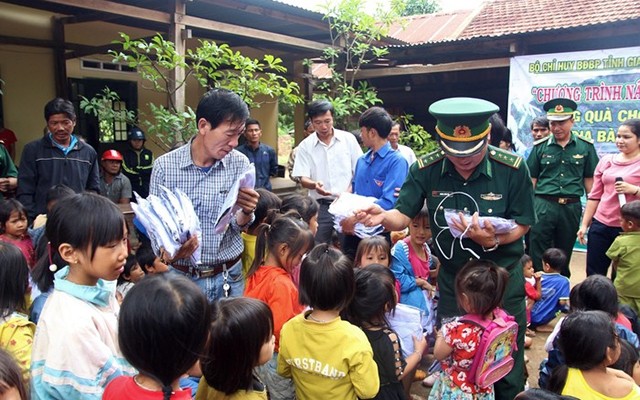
(561, 171)
(501, 186)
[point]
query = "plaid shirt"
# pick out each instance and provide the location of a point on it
(207, 191)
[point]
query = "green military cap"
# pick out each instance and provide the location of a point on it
(560, 109)
(463, 124)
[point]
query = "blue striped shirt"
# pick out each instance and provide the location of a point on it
(207, 189)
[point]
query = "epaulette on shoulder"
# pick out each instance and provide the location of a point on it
(430, 158)
(540, 141)
(505, 157)
(584, 139)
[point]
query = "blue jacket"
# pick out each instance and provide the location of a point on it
(265, 162)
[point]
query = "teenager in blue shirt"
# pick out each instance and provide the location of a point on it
(378, 171)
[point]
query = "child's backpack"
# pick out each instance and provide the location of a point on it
(493, 358)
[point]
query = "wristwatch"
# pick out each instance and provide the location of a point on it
(495, 246)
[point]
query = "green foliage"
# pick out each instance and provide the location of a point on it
(416, 137)
(101, 106)
(355, 37)
(211, 65)
(417, 7)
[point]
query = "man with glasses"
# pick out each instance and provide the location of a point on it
(325, 163)
(57, 158)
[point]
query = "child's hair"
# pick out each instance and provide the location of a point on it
(525, 259)
(423, 214)
(128, 266)
(40, 274)
(631, 212)
(306, 206)
(163, 326)
(145, 256)
(596, 292)
(58, 192)
(326, 279)
(373, 243)
(267, 202)
(11, 376)
(7, 207)
(556, 258)
(375, 295)
(483, 282)
(14, 280)
(241, 326)
(629, 356)
(85, 221)
(286, 229)
(583, 340)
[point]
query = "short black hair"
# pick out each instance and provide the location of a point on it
(540, 121)
(525, 259)
(163, 327)
(326, 279)
(57, 192)
(252, 121)
(319, 107)
(556, 258)
(596, 292)
(306, 206)
(307, 124)
(145, 256)
(375, 295)
(241, 326)
(631, 211)
(222, 105)
(128, 266)
(377, 118)
(59, 106)
(584, 338)
(14, 280)
(8, 206)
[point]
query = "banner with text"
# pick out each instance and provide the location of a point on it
(604, 83)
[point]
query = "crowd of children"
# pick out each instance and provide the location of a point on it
(312, 323)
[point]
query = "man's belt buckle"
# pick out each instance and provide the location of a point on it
(205, 273)
(562, 200)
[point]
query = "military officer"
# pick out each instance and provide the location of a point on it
(468, 175)
(561, 167)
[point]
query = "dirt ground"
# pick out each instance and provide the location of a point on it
(536, 353)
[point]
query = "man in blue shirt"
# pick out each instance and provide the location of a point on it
(261, 155)
(378, 171)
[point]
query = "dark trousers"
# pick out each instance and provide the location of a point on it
(599, 239)
(557, 226)
(325, 223)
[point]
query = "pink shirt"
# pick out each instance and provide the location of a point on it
(608, 211)
(26, 247)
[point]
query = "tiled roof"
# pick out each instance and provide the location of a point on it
(507, 17)
(504, 17)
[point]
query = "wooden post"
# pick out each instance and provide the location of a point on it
(176, 29)
(59, 60)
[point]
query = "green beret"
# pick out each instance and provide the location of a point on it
(560, 109)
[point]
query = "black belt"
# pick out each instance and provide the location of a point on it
(206, 270)
(560, 200)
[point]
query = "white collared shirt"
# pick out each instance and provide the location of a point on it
(332, 164)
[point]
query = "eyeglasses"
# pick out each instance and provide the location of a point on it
(66, 123)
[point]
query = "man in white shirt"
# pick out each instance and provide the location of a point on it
(394, 138)
(325, 163)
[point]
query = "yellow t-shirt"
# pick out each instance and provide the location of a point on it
(578, 387)
(16, 337)
(249, 252)
(206, 392)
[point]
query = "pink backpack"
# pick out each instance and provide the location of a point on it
(493, 359)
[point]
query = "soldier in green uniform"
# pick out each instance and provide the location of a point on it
(561, 167)
(468, 175)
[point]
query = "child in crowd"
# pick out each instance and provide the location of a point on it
(306, 206)
(16, 331)
(628, 362)
(327, 357)
(163, 328)
(596, 292)
(268, 203)
(412, 265)
(54, 194)
(241, 339)
(14, 226)
(148, 261)
(374, 297)
(88, 233)
(372, 250)
(532, 288)
(590, 344)
(280, 247)
(479, 286)
(12, 385)
(130, 276)
(555, 289)
(625, 254)
(42, 278)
